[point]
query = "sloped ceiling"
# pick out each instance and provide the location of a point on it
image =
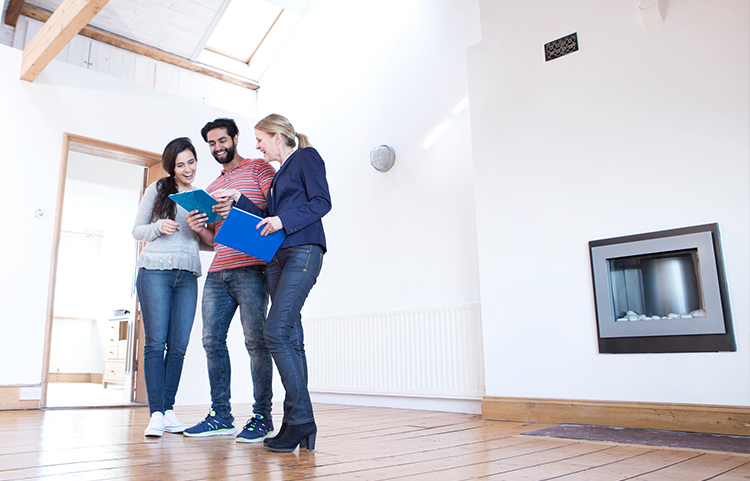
(180, 27)
(170, 31)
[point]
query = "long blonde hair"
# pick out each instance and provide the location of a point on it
(278, 124)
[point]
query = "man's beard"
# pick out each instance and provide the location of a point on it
(229, 156)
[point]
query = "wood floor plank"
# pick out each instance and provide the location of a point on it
(575, 464)
(354, 443)
(650, 461)
(741, 472)
(418, 461)
(705, 466)
(543, 464)
(475, 463)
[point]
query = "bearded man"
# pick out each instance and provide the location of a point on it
(235, 280)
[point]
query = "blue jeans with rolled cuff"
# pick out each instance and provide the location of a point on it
(168, 300)
(224, 291)
(291, 275)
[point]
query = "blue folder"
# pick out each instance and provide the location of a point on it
(238, 232)
(199, 200)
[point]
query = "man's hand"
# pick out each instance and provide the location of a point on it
(225, 198)
(197, 221)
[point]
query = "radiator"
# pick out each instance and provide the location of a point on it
(434, 352)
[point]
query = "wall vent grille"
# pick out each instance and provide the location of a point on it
(561, 46)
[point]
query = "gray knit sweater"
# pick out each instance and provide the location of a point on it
(163, 252)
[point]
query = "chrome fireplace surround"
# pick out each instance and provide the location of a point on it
(662, 292)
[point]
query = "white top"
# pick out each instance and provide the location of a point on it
(165, 252)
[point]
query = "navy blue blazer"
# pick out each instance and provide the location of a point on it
(299, 197)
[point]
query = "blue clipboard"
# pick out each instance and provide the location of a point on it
(199, 200)
(238, 232)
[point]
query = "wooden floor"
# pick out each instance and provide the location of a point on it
(353, 443)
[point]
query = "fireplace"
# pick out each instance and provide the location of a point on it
(662, 292)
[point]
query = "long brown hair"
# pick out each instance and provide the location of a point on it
(164, 208)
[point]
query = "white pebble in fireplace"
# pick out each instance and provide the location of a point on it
(634, 316)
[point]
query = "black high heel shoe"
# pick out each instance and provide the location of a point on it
(278, 435)
(302, 435)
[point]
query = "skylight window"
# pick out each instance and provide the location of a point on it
(249, 34)
(242, 29)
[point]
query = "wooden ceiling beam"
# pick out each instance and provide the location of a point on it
(118, 41)
(13, 11)
(69, 18)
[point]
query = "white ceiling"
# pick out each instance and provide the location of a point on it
(176, 26)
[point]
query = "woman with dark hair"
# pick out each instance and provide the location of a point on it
(297, 201)
(167, 283)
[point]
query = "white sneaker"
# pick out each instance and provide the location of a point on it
(172, 424)
(156, 425)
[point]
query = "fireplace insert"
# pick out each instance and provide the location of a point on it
(662, 292)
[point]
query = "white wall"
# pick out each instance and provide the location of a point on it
(33, 119)
(77, 346)
(640, 130)
(95, 274)
(554, 155)
(352, 76)
(401, 240)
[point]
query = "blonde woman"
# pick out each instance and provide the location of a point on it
(297, 201)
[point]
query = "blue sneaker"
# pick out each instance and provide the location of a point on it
(213, 425)
(255, 430)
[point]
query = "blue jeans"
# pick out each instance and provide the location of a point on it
(223, 292)
(168, 299)
(291, 275)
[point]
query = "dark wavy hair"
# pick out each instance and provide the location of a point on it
(228, 124)
(164, 207)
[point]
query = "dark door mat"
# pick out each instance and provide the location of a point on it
(673, 439)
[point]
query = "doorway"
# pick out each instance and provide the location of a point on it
(93, 341)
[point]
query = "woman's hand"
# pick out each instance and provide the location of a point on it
(270, 225)
(225, 198)
(169, 227)
(197, 221)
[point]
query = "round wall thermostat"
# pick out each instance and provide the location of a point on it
(382, 158)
